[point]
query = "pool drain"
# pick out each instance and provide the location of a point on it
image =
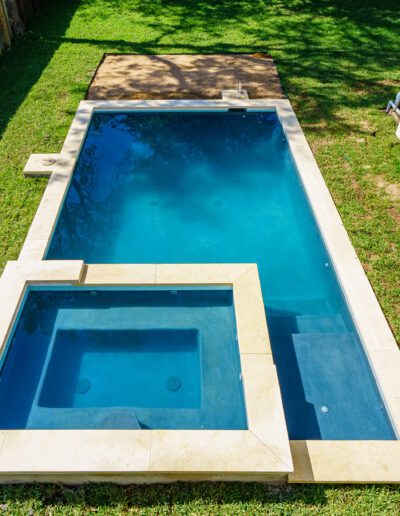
(82, 385)
(173, 383)
(218, 203)
(324, 409)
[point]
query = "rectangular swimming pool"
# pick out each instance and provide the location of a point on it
(220, 187)
(123, 358)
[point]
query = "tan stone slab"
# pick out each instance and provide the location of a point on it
(29, 451)
(120, 274)
(46, 214)
(33, 249)
(345, 461)
(51, 271)
(250, 314)
(212, 451)
(264, 408)
(367, 313)
(234, 94)
(386, 366)
(40, 164)
(206, 274)
(75, 137)
(12, 289)
(183, 76)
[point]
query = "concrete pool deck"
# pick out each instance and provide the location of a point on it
(314, 461)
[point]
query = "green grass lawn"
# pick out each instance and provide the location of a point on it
(339, 64)
(201, 499)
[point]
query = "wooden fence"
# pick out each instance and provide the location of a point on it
(14, 15)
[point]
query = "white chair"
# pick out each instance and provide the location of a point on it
(395, 106)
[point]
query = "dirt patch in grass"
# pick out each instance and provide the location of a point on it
(395, 214)
(184, 76)
(392, 190)
(367, 127)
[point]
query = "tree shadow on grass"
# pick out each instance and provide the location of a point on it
(23, 64)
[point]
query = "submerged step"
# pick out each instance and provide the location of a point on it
(339, 398)
(161, 354)
(278, 325)
(320, 324)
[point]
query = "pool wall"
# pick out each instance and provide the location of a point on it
(314, 461)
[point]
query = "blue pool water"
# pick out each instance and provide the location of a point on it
(124, 359)
(222, 187)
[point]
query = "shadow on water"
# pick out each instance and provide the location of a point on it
(300, 414)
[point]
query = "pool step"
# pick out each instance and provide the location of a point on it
(327, 389)
(315, 324)
(278, 325)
